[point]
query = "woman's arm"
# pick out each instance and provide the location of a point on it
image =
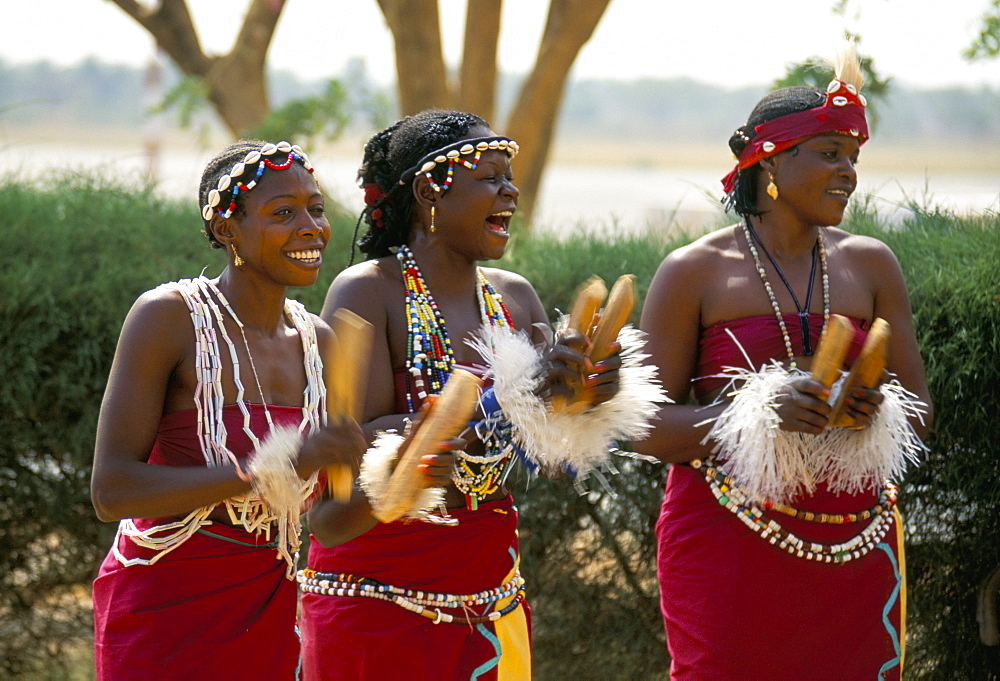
(360, 289)
(155, 339)
(892, 303)
(671, 319)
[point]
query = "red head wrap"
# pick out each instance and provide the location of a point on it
(842, 112)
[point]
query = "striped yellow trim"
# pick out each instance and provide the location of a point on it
(901, 550)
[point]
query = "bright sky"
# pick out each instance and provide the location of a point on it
(724, 42)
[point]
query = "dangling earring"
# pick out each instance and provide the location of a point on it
(433, 228)
(772, 188)
(238, 261)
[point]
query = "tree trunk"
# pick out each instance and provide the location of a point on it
(532, 121)
(236, 82)
(478, 76)
(421, 77)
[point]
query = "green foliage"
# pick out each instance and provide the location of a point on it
(80, 250)
(322, 116)
(86, 249)
(987, 44)
(951, 503)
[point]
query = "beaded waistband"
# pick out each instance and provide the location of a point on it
(424, 603)
(750, 511)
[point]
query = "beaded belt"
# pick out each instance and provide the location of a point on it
(425, 603)
(751, 513)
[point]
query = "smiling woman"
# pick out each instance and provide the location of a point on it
(211, 436)
(444, 594)
(771, 513)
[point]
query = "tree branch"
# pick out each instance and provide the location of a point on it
(171, 26)
(421, 77)
(478, 76)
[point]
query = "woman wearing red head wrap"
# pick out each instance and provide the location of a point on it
(780, 553)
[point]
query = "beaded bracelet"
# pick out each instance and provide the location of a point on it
(477, 477)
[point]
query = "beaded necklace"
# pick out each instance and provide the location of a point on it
(819, 252)
(428, 347)
(428, 350)
(203, 298)
(750, 511)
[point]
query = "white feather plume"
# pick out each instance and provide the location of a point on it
(779, 465)
(581, 442)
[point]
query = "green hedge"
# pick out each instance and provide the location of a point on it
(79, 250)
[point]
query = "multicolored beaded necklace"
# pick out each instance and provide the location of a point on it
(751, 513)
(430, 361)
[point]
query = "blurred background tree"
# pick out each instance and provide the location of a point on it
(235, 83)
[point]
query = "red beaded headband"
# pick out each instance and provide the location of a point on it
(842, 112)
(256, 157)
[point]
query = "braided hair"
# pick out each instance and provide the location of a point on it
(388, 212)
(788, 100)
(224, 164)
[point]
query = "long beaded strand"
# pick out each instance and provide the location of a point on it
(428, 346)
(737, 502)
(422, 603)
(429, 350)
(774, 300)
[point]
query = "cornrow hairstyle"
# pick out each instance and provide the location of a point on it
(743, 198)
(388, 154)
(224, 164)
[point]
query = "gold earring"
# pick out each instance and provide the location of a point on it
(238, 261)
(772, 188)
(433, 228)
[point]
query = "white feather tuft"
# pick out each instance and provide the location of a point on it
(556, 441)
(847, 68)
(376, 469)
(275, 481)
(774, 464)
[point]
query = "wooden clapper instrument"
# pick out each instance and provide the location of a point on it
(866, 370)
(601, 327)
(345, 375)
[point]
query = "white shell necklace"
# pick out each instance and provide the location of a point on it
(748, 232)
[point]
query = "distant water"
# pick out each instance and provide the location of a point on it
(574, 197)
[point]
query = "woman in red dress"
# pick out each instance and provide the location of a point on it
(210, 439)
(766, 574)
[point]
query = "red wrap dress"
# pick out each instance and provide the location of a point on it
(218, 606)
(350, 638)
(737, 607)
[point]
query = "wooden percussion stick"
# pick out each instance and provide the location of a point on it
(447, 416)
(345, 375)
(866, 371)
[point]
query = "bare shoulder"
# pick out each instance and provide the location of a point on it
(323, 330)
(507, 280)
(519, 296)
(368, 273)
(858, 246)
(361, 285)
(159, 309)
(702, 257)
(158, 328)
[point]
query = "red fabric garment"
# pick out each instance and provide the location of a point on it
(209, 609)
(760, 338)
(356, 638)
(737, 607)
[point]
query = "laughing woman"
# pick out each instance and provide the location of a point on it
(209, 439)
(422, 600)
(765, 575)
